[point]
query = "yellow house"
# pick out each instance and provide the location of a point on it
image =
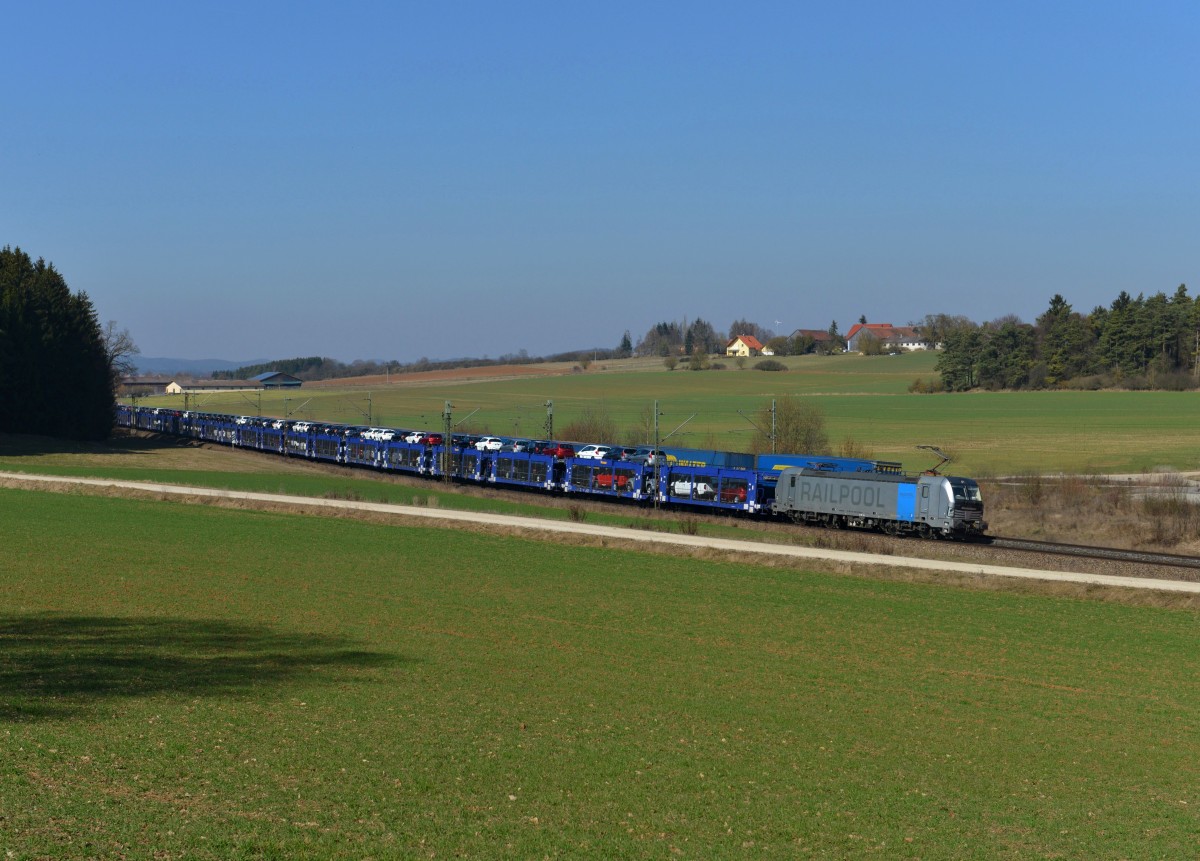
(744, 345)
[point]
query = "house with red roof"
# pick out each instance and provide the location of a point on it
(744, 345)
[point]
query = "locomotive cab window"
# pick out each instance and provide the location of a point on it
(966, 491)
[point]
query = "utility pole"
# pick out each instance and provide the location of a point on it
(654, 457)
(548, 427)
(447, 426)
(772, 426)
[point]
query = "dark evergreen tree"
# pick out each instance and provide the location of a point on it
(958, 362)
(1067, 342)
(663, 339)
(1005, 357)
(55, 374)
(702, 336)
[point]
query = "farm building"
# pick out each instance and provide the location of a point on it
(179, 387)
(891, 337)
(278, 380)
(144, 386)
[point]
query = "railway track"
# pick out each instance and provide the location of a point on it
(1114, 554)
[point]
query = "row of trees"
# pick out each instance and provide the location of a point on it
(1140, 343)
(58, 367)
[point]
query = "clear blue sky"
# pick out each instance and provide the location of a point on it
(396, 180)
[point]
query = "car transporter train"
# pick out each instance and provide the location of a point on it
(828, 491)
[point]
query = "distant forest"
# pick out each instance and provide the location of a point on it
(1143, 343)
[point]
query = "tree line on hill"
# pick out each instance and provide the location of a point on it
(324, 368)
(1133, 343)
(700, 338)
(58, 367)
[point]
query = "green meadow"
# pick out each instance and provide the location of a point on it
(863, 399)
(188, 682)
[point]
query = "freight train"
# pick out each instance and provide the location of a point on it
(830, 491)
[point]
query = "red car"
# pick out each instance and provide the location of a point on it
(432, 439)
(560, 449)
(605, 480)
(733, 493)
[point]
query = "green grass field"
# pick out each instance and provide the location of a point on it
(863, 398)
(180, 681)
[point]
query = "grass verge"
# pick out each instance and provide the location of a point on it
(195, 682)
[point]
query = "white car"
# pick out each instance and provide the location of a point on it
(415, 436)
(704, 490)
(489, 443)
(594, 452)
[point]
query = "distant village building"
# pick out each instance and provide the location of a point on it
(744, 345)
(890, 337)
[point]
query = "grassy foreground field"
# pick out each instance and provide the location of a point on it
(180, 681)
(864, 399)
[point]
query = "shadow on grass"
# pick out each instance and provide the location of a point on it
(54, 666)
(121, 442)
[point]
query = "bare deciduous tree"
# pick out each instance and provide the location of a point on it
(120, 348)
(799, 428)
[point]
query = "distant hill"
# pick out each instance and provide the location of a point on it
(195, 367)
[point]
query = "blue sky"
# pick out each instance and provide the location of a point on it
(396, 180)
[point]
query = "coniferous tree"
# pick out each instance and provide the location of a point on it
(55, 373)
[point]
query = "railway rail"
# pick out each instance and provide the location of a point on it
(1080, 551)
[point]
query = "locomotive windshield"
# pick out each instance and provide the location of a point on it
(965, 490)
